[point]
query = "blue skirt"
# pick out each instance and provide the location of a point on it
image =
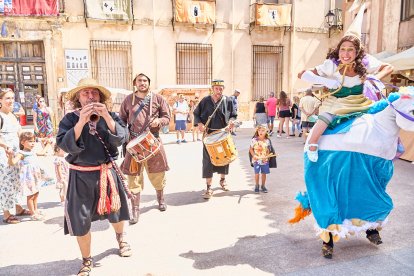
(347, 185)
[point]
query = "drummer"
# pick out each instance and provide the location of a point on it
(223, 118)
(153, 115)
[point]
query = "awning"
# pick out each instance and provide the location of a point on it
(382, 55)
(401, 61)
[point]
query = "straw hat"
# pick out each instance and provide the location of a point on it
(88, 83)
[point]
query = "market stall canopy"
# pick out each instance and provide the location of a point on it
(401, 61)
(383, 54)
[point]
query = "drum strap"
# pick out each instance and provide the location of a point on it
(141, 106)
(212, 115)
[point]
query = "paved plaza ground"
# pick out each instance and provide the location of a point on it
(235, 233)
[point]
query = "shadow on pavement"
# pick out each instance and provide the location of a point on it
(99, 225)
(67, 267)
(266, 254)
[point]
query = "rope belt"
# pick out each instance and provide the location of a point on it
(106, 204)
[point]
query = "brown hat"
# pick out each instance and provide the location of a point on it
(88, 83)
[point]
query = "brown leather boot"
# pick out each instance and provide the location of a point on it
(161, 204)
(135, 208)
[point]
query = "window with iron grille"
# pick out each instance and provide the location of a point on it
(111, 63)
(267, 70)
(407, 9)
(61, 6)
(194, 63)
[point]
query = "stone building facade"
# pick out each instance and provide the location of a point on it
(254, 46)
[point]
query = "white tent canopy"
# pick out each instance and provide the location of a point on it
(382, 55)
(401, 61)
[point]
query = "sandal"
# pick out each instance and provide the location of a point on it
(312, 154)
(11, 220)
(87, 264)
(37, 217)
(327, 251)
(23, 212)
(124, 247)
(224, 185)
(208, 194)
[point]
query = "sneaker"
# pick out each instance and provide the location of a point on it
(312, 154)
(293, 135)
(183, 141)
(278, 136)
(198, 139)
(233, 133)
(178, 141)
(264, 190)
(300, 134)
(208, 194)
(256, 189)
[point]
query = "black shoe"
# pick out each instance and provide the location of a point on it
(300, 134)
(327, 251)
(233, 133)
(293, 135)
(283, 131)
(373, 236)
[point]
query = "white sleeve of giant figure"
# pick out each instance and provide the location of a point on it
(311, 77)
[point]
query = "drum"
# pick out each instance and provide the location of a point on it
(220, 147)
(143, 147)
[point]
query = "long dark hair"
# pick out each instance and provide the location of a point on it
(283, 98)
(359, 68)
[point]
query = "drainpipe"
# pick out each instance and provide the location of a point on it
(232, 47)
(292, 74)
(155, 45)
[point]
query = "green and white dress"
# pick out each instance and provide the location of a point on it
(349, 101)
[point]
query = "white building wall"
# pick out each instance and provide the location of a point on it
(154, 41)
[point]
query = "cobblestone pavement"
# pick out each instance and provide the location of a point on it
(235, 233)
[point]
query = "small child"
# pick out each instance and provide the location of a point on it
(30, 172)
(261, 149)
(62, 173)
